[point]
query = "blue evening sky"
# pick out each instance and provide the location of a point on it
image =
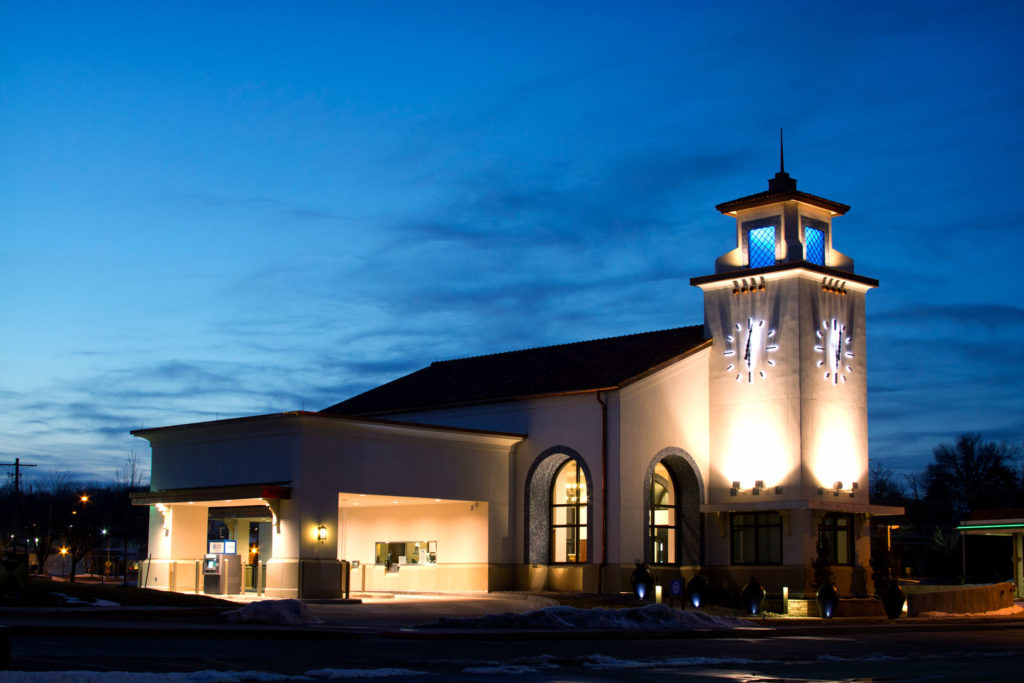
(223, 209)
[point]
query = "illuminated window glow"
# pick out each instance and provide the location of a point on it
(405, 552)
(761, 246)
(569, 515)
(814, 245)
(663, 517)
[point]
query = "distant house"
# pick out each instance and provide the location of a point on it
(736, 447)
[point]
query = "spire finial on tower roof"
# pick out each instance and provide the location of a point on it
(782, 158)
(781, 182)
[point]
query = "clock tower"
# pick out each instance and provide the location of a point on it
(787, 394)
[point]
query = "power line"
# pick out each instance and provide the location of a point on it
(17, 465)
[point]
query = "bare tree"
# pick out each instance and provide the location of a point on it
(51, 506)
(882, 483)
(915, 485)
(81, 535)
(131, 474)
(973, 474)
(131, 523)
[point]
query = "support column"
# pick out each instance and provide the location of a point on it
(177, 544)
(302, 566)
(1018, 563)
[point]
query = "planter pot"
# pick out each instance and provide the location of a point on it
(696, 591)
(893, 599)
(752, 597)
(827, 599)
(642, 582)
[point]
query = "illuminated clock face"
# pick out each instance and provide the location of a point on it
(750, 346)
(834, 346)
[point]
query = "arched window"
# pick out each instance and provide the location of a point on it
(569, 514)
(673, 528)
(663, 517)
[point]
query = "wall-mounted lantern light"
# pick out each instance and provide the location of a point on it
(838, 488)
(321, 533)
(756, 489)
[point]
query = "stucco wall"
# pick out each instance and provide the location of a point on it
(215, 453)
(573, 422)
(666, 412)
(320, 457)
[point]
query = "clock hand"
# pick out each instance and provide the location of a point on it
(746, 356)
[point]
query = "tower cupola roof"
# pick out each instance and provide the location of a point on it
(781, 188)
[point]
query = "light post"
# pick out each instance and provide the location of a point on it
(106, 566)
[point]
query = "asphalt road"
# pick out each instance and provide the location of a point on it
(951, 654)
(377, 639)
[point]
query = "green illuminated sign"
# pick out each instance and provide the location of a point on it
(990, 526)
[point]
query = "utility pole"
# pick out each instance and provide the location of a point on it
(17, 465)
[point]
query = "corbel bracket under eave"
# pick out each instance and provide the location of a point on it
(723, 522)
(166, 511)
(274, 504)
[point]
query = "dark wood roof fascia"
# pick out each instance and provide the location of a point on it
(276, 490)
(765, 198)
(780, 267)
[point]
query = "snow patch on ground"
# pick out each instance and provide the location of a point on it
(865, 658)
(1012, 611)
(289, 612)
(513, 667)
(336, 674)
(141, 677)
(200, 676)
(648, 618)
(69, 600)
(605, 663)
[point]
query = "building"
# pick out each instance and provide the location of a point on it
(1005, 523)
(737, 448)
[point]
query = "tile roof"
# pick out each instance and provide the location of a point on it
(565, 368)
(763, 198)
(781, 188)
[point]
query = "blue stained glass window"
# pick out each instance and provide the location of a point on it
(814, 245)
(761, 246)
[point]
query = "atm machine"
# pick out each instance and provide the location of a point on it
(222, 569)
